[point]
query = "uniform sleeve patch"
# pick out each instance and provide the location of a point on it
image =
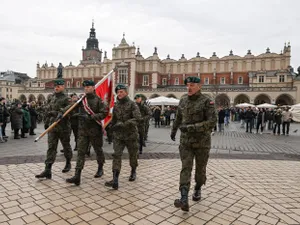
(211, 103)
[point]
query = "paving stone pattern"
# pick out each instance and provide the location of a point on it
(237, 192)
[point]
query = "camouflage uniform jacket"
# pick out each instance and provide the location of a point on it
(196, 117)
(87, 126)
(126, 116)
(145, 114)
(58, 103)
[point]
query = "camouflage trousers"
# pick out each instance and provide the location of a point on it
(119, 146)
(187, 155)
(146, 128)
(83, 145)
(53, 138)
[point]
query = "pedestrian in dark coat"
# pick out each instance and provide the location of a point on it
(33, 117)
(277, 118)
(156, 115)
(221, 119)
(26, 121)
(4, 116)
(17, 119)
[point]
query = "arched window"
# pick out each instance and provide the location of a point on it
(78, 84)
(68, 84)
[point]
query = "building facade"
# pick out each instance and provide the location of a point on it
(232, 79)
(10, 84)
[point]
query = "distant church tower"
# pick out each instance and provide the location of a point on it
(91, 54)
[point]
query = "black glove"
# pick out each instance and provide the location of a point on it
(46, 126)
(183, 128)
(173, 134)
(59, 116)
(52, 113)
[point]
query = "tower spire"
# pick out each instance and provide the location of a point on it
(93, 23)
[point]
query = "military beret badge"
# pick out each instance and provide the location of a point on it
(59, 82)
(88, 83)
(192, 80)
(120, 87)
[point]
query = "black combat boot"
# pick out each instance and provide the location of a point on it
(46, 173)
(76, 179)
(197, 193)
(183, 203)
(114, 183)
(132, 174)
(99, 172)
(67, 166)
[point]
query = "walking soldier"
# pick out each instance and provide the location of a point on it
(91, 111)
(126, 115)
(57, 105)
(145, 113)
(196, 117)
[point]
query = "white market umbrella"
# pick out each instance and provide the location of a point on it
(266, 105)
(163, 101)
(296, 107)
(296, 112)
(244, 105)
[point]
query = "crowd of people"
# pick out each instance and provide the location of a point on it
(260, 119)
(163, 117)
(21, 116)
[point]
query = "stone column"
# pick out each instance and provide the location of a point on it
(154, 80)
(132, 79)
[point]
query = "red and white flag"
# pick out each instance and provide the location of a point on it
(105, 92)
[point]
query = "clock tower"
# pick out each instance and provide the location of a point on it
(91, 53)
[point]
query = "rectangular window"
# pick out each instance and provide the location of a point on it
(176, 81)
(240, 81)
(222, 80)
(123, 76)
(261, 79)
(206, 80)
(145, 80)
(164, 82)
(281, 78)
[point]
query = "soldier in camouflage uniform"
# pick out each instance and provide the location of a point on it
(147, 122)
(57, 105)
(89, 130)
(126, 115)
(145, 113)
(196, 117)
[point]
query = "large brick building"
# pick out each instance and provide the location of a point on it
(230, 79)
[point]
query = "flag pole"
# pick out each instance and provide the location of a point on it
(72, 107)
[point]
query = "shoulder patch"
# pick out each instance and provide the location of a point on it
(211, 102)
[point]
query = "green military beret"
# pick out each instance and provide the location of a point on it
(88, 83)
(120, 87)
(59, 82)
(137, 96)
(192, 80)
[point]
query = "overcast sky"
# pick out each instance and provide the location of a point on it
(54, 31)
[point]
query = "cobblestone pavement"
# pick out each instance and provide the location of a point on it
(237, 192)
(233, 143)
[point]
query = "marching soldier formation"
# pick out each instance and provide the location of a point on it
(195, 117)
